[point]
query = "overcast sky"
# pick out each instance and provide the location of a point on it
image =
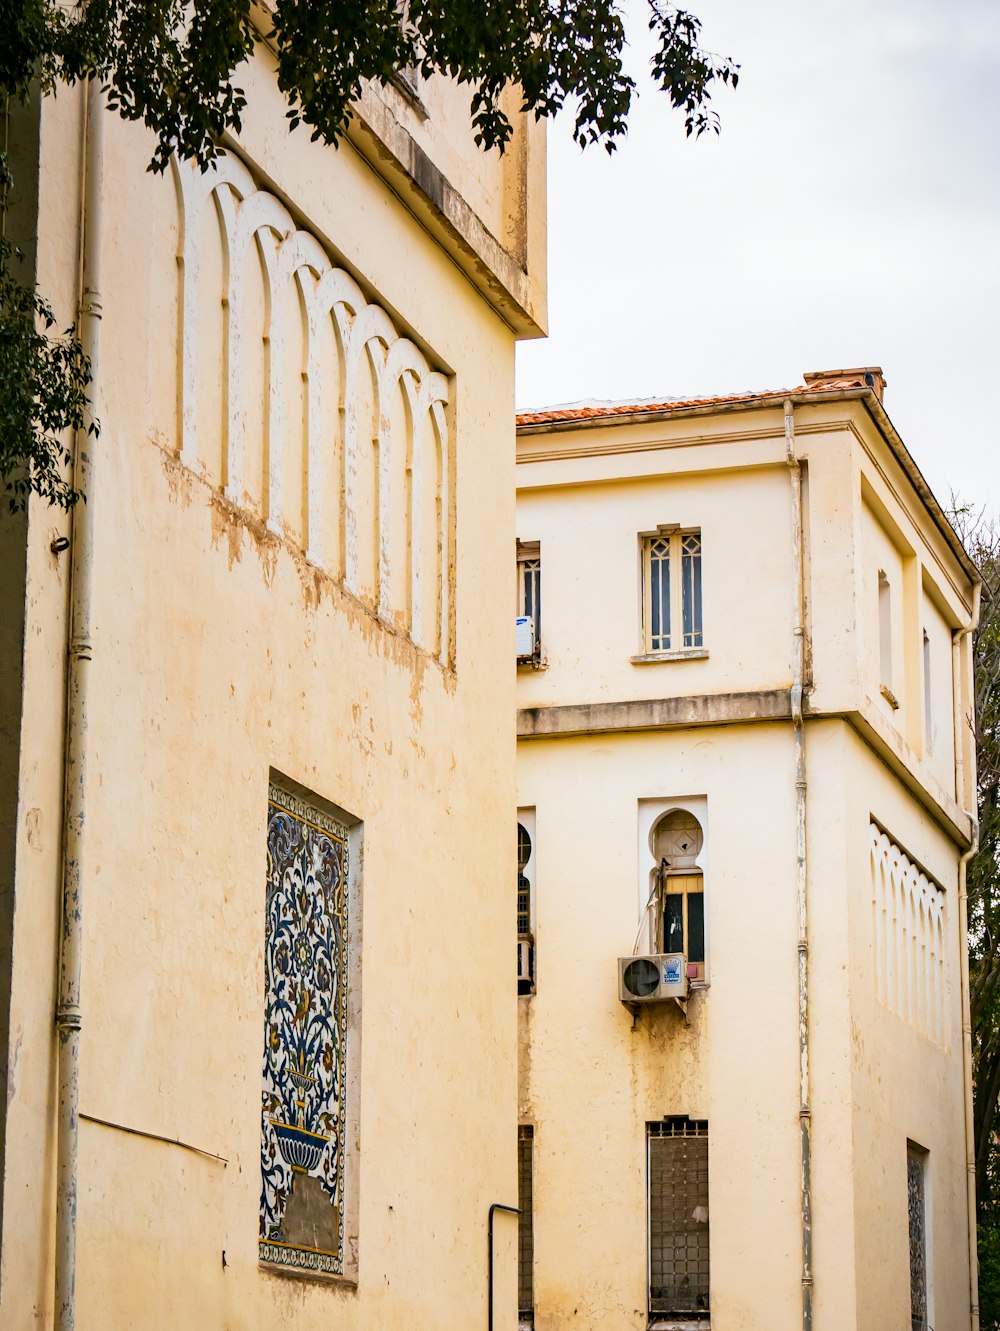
(849, 214)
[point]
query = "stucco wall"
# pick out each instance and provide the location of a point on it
(220, 654)
(590, 556)
(590, 1080)
(884, 1068)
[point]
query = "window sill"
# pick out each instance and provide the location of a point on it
(682, 654)
(400, 84)
(679, 1326)
(527, 663)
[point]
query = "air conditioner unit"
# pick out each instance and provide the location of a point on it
(524, 638)
(652, 979)
(525, 959)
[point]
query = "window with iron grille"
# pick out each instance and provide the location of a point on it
(525, 902)
(671, 591)
(525, 1228)
(529, 585)
(916, 1166)
(677, 1181)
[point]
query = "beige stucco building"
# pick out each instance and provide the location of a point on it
(744, 743)
(288, 762)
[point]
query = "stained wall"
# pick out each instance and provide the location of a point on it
(303, 497)
(602, 734)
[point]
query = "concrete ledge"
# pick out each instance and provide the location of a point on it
(517, 294)
(431, 197)
(722, 709)
(717, 709)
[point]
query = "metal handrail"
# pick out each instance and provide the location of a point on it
(511, 1210)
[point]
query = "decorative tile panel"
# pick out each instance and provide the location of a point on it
(305, 1038)
(916, 1209)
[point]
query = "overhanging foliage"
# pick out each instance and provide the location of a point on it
(173, 65)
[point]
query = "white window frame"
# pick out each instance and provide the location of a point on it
(679, 644)
(526, 819)
(650, 811)
(529, 564)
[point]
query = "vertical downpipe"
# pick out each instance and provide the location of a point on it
(68, 1007)
(963, 937)
(801, 878)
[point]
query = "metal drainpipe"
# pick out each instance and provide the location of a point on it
(68, 1010)
(963, 928)
(801, 878)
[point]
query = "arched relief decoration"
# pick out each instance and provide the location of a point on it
(908, 911)
(381, 484)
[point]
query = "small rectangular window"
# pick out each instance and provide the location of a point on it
(928, 713)
(525, 1226)
(529, 585)
(916, 1171)
(671, 591)
(677, 1185)
(885, 633)
(683, 913)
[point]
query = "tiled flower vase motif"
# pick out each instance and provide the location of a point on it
(305, 979)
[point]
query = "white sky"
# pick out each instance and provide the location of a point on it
(849, 214)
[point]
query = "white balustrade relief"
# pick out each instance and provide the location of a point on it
(299, 398)
(909, 910)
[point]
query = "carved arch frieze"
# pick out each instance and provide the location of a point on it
(343, 337)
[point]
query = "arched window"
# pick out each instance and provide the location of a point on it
(676, 842)
(525, 905)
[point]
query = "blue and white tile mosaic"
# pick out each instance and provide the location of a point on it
(305, 1038)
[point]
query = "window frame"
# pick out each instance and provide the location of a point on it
(928, 690)
(650, 813)
(885, 644)
(676, 1127)
(670, 888)
(526, 821)
(682, 598)
(530, 553)
(525, 1225)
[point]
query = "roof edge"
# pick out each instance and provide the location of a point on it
(775, 398)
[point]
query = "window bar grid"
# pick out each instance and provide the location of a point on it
(678, 1218)
(525, 1232)
(659, 601)
(531, 578)
(691, 589)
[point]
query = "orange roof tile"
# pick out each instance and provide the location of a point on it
(610, 409)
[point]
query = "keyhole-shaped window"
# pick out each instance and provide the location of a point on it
(676, 842)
